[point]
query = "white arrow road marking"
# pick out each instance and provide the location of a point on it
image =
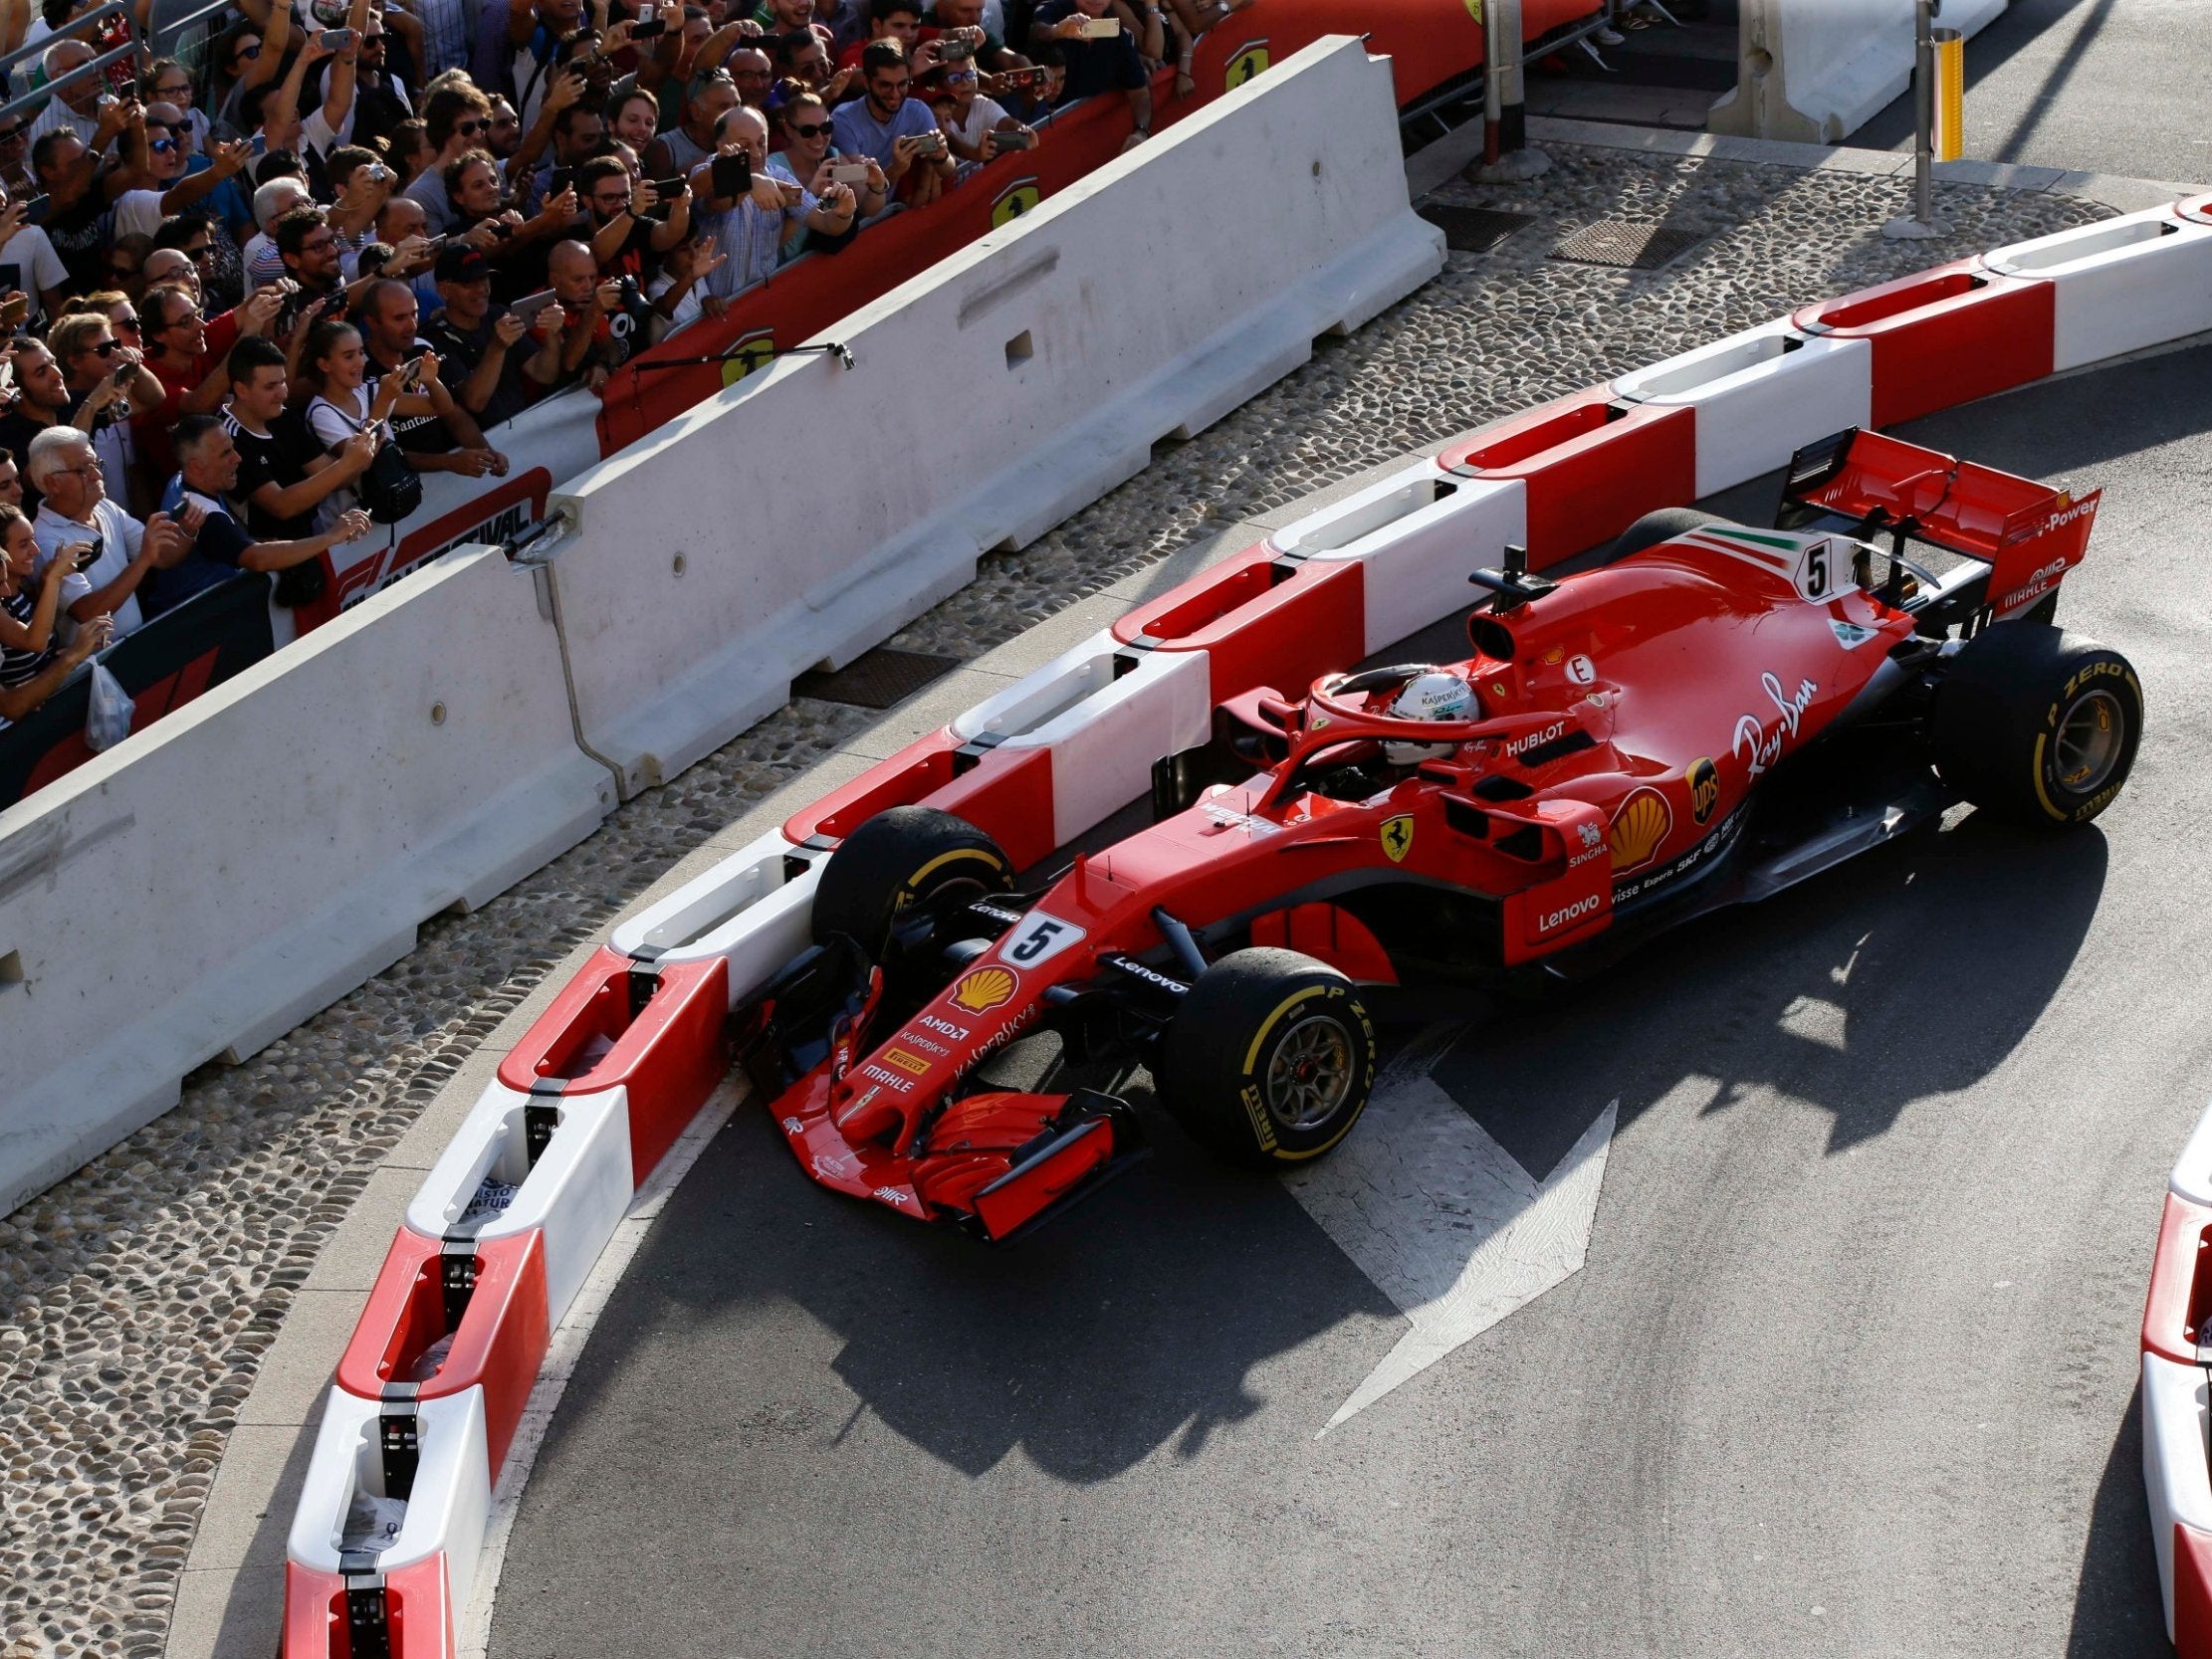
(1445, 1220)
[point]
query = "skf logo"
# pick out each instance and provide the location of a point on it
(911, 1064)
(984, 989)
(1251, 60)
(1704, 788)
(752, 353)
(1398, 837)
(1638, 828)
(1018, 198)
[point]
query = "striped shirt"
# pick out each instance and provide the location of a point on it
(18, 665)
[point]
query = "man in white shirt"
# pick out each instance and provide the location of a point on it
(77, 105)
(76, 511)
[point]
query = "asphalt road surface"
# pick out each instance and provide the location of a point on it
(2106, 86)
(1850, 1367)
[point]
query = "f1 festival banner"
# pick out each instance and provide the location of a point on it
(203, 642)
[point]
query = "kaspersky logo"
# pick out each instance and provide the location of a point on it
(984, 989)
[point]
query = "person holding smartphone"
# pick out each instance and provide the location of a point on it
(767, 221)
(1098, 60)
(809, 159)
(33, 661)
(76, 512)
(971, 121)
(894, 130)
(348, 402)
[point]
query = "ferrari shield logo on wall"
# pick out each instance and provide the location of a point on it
(752, 352)
(1018, 198)
(1398, 837)
(1249, 60)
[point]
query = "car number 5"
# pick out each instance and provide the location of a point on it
(1039, 938)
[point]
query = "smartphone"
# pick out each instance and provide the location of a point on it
(952, 49)
(1101, 27)
(560, 181)
(669, 189)
(1027, 79)
(91, 556)
(502, 229)
(733, 175)
(648, 23)
(336, 39)
(530, 304)
(378, 172)
(1015, 141)
(853, 173)
(929, 145)
(410, 373)
(34, 210)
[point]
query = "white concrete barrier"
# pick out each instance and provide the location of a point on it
(1816, 70)
(1759, 395)
(574, 1194)
(991, 397)
(204, 886)
(2176, 1478)
(2120, 285)
(2192, 1170)
(1418, 535)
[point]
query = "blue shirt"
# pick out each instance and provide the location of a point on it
(856, 130)
(212, 560)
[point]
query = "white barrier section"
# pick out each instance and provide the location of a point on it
(995, 394)
(751, 908)
(1816, 70)
(2192, 1170)
(1759, 395)
(2176, 1474)
(1419, 536)
(2118, 285)
(1104, 733)
(484, 1186)
(201, 888)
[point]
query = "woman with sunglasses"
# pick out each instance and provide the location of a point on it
(235, 65)
(807, 158)
(107, 383)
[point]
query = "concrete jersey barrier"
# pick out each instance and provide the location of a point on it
(1011, 385)
(1816, 70)
(200, 891)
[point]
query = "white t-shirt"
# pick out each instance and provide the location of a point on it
(333, 423)
(982, 116)
(119, 536)
(28, 262)
(139, 211)
(56, 116)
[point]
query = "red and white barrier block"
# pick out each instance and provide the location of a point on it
(2118, 285)
(2176, 1352)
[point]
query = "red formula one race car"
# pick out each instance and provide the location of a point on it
(1707, 716)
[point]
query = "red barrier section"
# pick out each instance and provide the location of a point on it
(419, 1618)
(1006, 793)
(908, 778)
(1593, 467)
(1260, 621)
(2174, 1310)
(1943, 337)
(500, 1338)
(2192, 1592)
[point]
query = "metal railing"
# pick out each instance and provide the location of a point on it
(127, 52)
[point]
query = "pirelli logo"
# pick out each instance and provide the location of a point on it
(911, 1064)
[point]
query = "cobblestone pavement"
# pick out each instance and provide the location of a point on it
(136, 1298)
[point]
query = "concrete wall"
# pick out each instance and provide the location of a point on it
(1816, 70)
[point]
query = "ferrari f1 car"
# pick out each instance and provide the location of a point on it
(1705, 716)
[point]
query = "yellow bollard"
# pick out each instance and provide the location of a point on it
(1950, 94)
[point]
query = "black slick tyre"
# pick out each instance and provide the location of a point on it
(900, 858)
(2035, 725)
(1663, 525)
(1270, 1059)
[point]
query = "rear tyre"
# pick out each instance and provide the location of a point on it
(1270, 1059)
(1664, 525)
(2035, 725)
(900, 858)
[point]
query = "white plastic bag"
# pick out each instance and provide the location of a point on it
(108, 720)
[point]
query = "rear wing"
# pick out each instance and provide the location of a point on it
(2028, 534)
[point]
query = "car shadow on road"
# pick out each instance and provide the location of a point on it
(2118, 1613)
(1909, 974)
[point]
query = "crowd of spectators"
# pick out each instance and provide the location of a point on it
(249, 294)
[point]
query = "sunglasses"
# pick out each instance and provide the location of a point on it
(105, 348)
(205, 252)
(10, 134)
(122, 272)
(811, 130)
(129, 324)
(164, 146)
(468, 128)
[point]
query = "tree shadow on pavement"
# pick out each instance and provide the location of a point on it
(2118, 1613)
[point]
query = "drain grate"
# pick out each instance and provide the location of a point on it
(1631, 247)
(876, 679)
(1474, 230)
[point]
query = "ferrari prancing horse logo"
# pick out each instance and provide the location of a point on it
(1398, 837)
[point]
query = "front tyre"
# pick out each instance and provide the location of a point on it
(2035, 725)
(1270, 1059)
(902, 857)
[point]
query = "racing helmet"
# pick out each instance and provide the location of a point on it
(1434, 695)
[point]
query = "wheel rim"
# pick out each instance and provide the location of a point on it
(2088, 741)
(1310, 1074)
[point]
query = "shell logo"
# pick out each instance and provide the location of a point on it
(984, 989)
(1638, 828)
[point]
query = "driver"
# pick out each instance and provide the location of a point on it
(1438, 695)
(1432, 695)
